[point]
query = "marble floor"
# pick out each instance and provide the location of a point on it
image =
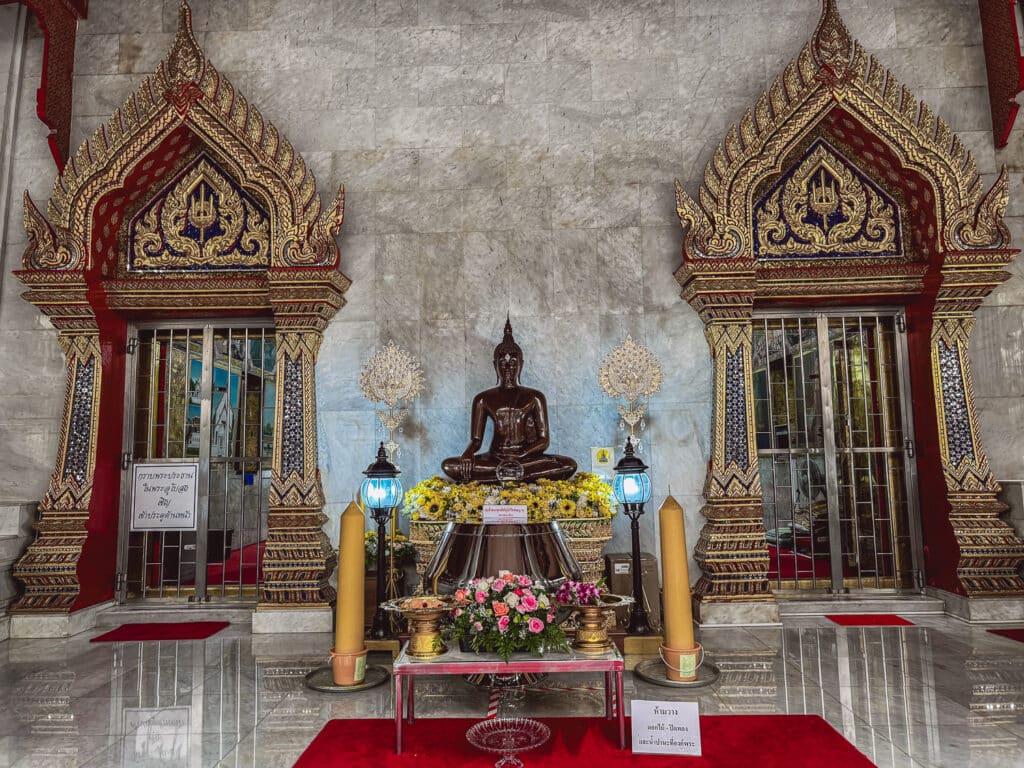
(941, 693)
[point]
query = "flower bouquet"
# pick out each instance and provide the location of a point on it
(503, 614)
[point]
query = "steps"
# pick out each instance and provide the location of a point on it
(15, 533)
(904, 605)
(117, 615)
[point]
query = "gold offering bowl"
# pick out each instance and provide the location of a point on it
(424, 614)
(592, 630)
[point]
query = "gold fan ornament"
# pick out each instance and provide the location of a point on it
(391, 377)
(632, 372)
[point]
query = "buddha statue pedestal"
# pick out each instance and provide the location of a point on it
(468, 551)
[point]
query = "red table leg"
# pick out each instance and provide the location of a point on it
(620, 705)
(398, 714)
(608, 695)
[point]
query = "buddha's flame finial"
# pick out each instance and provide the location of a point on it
(831, 44)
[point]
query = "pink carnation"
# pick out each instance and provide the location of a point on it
(535, 625)
(481, 597)
(530, 602)
(503, 623)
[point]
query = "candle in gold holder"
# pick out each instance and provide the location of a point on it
(679, 650)
(348, 657)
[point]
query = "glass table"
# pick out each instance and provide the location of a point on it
(457, 662)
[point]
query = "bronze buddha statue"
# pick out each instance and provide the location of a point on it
(520, 417)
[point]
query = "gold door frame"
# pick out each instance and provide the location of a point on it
(186, 138)
(943, 248)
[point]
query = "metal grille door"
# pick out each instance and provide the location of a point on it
(836, 463)
(207, 396)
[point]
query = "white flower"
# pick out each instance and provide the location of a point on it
(512, 599)
(542, 600)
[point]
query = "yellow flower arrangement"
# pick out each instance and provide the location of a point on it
(586, 496)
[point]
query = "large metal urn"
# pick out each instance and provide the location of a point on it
(469, 550)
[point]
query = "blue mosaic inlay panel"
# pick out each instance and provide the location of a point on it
(735, 411)
(954, 405)
(76, 455)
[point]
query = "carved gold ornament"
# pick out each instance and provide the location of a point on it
(823, 207)
(201, 222)
(631, 371)
(392, 376)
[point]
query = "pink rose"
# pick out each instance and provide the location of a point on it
(508, 578)
(525, 581)
(522, 608)
(478, 626)
(530, 602)
(460, 594)
(503, 623)
(498, 586)
(551, 617)
(481, 597)
(535, 625)
(499, 608)
(458, 611)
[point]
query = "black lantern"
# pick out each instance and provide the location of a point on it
(632, 490)
(381, 492)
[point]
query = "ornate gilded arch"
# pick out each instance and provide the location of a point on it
(185, 203)
(839, 186)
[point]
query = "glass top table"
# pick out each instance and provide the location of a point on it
(458, 662)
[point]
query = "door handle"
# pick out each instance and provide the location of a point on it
(908, 446)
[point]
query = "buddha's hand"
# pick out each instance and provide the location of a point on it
(466, 468)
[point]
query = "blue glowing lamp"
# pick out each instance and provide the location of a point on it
(381, 489)
(632, 484)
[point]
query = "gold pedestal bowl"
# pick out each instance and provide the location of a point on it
(424, 614)
(592, 624)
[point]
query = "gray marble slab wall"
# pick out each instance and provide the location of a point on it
(506, 157)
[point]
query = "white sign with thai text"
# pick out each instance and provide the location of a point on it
(666, 727)
(164, 497)
(505, 514)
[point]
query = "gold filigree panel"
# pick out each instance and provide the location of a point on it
(826, 206)
(202, 220)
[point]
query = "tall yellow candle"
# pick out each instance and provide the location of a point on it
(348, 630)
(675, 577)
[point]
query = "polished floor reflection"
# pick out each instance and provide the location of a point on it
(941, 693)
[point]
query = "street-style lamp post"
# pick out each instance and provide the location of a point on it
(381, 492)
(632, 490)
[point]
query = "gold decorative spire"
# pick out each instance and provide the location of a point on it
(831, 44)
(185, 61)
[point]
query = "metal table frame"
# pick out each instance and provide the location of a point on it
(456, 662)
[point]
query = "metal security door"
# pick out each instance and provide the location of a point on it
(203, 395)
(836, 461)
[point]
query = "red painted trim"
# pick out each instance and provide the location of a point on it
(1003, 63)
(58, 19)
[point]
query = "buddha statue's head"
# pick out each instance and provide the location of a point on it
(508, 359)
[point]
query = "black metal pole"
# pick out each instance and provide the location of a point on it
(381, 628)
(639, 624)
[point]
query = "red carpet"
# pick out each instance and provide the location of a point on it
(729, 741)
(869, 620)
(1013, 634)
(185, 630)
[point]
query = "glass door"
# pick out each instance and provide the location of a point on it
(836, 461)
(202, 398)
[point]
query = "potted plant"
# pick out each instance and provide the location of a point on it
(503, 614)
(593, 603)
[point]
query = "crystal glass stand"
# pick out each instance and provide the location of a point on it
(507, 736)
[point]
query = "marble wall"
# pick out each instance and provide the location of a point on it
(506, 156)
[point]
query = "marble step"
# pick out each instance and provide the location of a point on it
(166, 614)
(911, 604)
(14, 519)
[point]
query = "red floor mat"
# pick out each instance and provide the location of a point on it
(1013, 634)
(729, 741)
(869, 620)
(184, 630)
